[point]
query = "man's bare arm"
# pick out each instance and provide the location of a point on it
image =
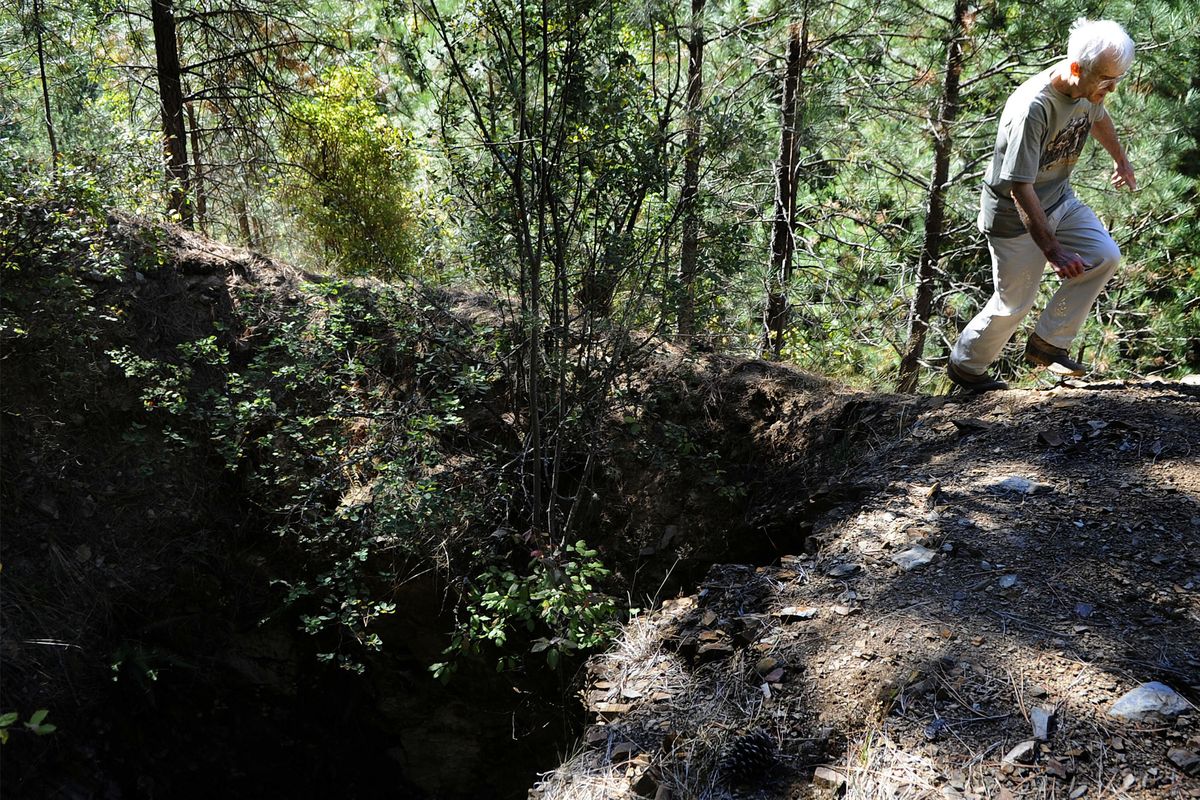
(1105, 133)
(1065, 263)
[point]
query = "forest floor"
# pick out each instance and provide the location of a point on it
(1009, 566)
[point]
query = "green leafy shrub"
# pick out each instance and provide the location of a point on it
(553, 608)
(351, 185)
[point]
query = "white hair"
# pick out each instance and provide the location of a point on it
(1092, 39)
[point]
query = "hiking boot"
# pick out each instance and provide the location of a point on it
(973, 383)
(1041, 353)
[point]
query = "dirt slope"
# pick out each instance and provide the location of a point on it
(1062, 530)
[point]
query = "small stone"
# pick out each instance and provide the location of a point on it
(713, 651)
(646, 784)
(596, 734)
(1057, 769)
(1019, 485)
(1008, 581)
(913, 557)
(83, 553)
(48, 506)
(1041, 718)
(1147, 700)
(1186, 760)
(1084, 610)
(845, 611)
(622, 752)
(792, 613)
(1023, 753)
(843, 570)
(611, 709)
(1079, 792)
(828, 778)
(774, 676)
(766, 665)
(934, 730)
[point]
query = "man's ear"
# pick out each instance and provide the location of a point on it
(1076, 70)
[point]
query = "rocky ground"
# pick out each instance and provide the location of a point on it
(968, 623)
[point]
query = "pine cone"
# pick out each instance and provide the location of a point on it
(748, 757)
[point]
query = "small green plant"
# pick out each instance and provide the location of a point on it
(553, 606)
(36, 724)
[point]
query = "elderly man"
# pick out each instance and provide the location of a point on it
(1032, 217)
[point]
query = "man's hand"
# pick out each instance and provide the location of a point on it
(1066, 264)
(1123, 176)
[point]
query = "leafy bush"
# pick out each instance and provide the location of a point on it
(351, 185)
(556, 597)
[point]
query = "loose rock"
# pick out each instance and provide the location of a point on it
(913, 557)
(793, 613)
(828, 778)
(1019, 485)
(843, 570)
(1023, 753)
(1147, 700)
(1041, 718)
(1186, 760)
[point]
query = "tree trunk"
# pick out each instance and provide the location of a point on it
(170, 91)
(935, 216)
(783, 231)
(41, 56)
(243, 220)
(197, 170)
(689, 212)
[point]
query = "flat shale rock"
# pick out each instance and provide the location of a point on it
(1146, 701)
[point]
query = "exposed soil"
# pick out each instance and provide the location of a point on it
(1064, 532)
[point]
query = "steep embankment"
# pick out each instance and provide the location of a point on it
(1008, 568)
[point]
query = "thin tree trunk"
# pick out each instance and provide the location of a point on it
(41, 56)
(783, 231)
(243, 220)
(689, 212)
(935, 216)
(170, 91)
(197, 170)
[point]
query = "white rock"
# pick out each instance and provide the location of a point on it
(1041, 717)
(1019, 485)
(913, 557)
(1024, 753)
(1148, 699)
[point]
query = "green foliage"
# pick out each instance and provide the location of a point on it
(351, 187)
(53, 250)
(553, 607)
(36, 724)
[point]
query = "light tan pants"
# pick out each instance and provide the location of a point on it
(1017, 269)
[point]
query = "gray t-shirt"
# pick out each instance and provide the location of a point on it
(1041, 135)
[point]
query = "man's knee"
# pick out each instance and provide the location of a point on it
(1106, 257)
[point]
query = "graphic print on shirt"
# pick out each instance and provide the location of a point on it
(1065, 149)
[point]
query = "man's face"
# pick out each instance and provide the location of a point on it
(1101, 79)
